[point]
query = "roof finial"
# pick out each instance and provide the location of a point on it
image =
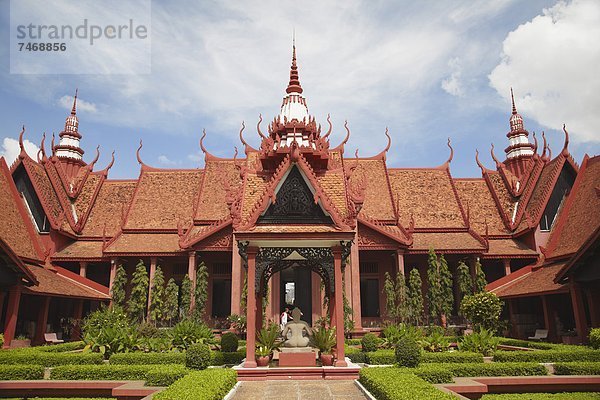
(512, 98)
(294, 84)
(74, 109)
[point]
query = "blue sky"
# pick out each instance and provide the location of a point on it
(427, 70)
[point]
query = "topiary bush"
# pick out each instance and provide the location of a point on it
(482, 309)
(21, 372)
(213, 383)
(227, 358)
(369, 342)
(198, 356)
(139, 358)
(229, 342)
(595, 338)
(408, 352)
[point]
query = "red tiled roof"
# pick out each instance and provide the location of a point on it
(445, 242)
(16, 228)
(333, 185)
(52, 283)
(532, 282)
(509, 248)
(44, 189)
(144, 243)
(581, 212)
(212, 204)
(427, 195)
(107, 210)
(163, 199)
(475, 194)
(506, 201)
(15, 263)
(80, 250)
(378, 199)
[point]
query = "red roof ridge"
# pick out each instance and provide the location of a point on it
(509, 279)
(186, 240)
(17, 260)
(385, 230)
(78, 279)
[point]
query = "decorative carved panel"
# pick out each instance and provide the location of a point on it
(368, 238)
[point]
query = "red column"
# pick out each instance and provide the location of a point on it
(150, 279)
(579, 311)
(506, 263)
(317, 300)
(339, 308)
(259, 311)
(77, 314)
(276, 297)
(251, 311)
(42, 320)
(12, 312)
(548, 321)
(355, 268)
(113, 272)
(400, 261)
(236, 279)
(192, 275)
(83, 268)
(269, 314)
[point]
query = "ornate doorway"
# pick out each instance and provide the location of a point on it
(296, 290)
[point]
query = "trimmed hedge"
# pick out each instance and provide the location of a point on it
(154, 375)
(48, 359)
(381, 357)
(198, 356)
(207, 384)
(527, 344)
(452, 357)
(229, 342)
(547, 356)
(355, 355)
(70, 398)
(21, 372)
(443, 373)
(543, 396)
(62, 347)
(577, 368)
(223, 358)
(147, 358)
(395, 384)
(369, 342)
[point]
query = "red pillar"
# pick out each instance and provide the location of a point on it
(42, 320)
(506, 263)
(400, 262)
(150, 279)
(276, 297)
(192, 275)
(251, 311)
(339, 308)
(236, 279)
(579, 312)
(113, 273)
(355, 268)
(83, 268)
(12, 312)
(317, 300)
(548, 320)
(77, 314)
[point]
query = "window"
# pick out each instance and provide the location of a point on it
(559, 193)
(221, 298)
(369, 297)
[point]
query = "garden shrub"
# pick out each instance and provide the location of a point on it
(48, 359)
(147, 358)
(395, 384)
(62, 347)
(381, 357)
(543, 396)
(353, 342)
(435, 342)
(358, 356)
(162, 375)
(227, 358)
(408, 352)
(547, 356)
(393, 333)
(21, 372)
(209, 384)
(482, 309)
(527, 344)
(595, 338)
(452, 357)
(577, 368)
(483, 342)
(198, 356)
(188, 332)
(165, 375)
(229, 342)
(369, 342)
(433, 372)
(1, 340)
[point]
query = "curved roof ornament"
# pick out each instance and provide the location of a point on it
(42, 149)
(202, 142)
(451, 152)
(258, 127)
(52, 144)
(481, 166)
(246, 145)
(137, 154)
(565, 150)
(389, 144)
(23, 153)
(330, 127)
(235, 154)
(494, 157)
(340, 147)
(545, 145)
(110, 164)
(535, 144)
(95, 160)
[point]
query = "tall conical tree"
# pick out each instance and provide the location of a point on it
(480, 281)
(446, 292)
(117, 291)
(157, 300)
(434, 292)
(465, 281)
(390, 298)
(171, 298)
(401, 298)
(138, 300)
(186, 297)
(415, 297)
(201, 291)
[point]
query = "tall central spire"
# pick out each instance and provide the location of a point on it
(294, 84)
(294, 104)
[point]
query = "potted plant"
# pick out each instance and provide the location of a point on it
(267, 341)
(324, 339)
(263, 356)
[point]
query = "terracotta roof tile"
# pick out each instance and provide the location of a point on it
(423, 241)
(108, 208)
(333, 185)
(482, 207)
(53, 284)
(163, 198)
(378, 200)
(427, 194)
(212, 204)
(80, 250)
(583, 217)
(294, 228)
(254, 188)
(45, 191)
(506, 200)
(144, 243)
(509, 247)
(16, 228)
(538, 280)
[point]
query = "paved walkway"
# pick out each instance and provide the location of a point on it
(299, 390)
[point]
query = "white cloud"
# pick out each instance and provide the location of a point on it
(10, 149)
(552, 63)
(164, 160)
(82, 105)
(452, 85)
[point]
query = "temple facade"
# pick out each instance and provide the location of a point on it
(298, 219)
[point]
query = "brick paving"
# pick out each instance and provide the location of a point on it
(299, 390)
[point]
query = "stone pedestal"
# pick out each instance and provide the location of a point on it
(297, 357)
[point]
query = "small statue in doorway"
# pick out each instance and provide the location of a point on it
(296, 327)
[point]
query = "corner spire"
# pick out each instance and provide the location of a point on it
(74, 109)
(294, 84)
(512, 98)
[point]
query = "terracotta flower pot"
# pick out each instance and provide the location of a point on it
(262, 361)
(326, 359)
